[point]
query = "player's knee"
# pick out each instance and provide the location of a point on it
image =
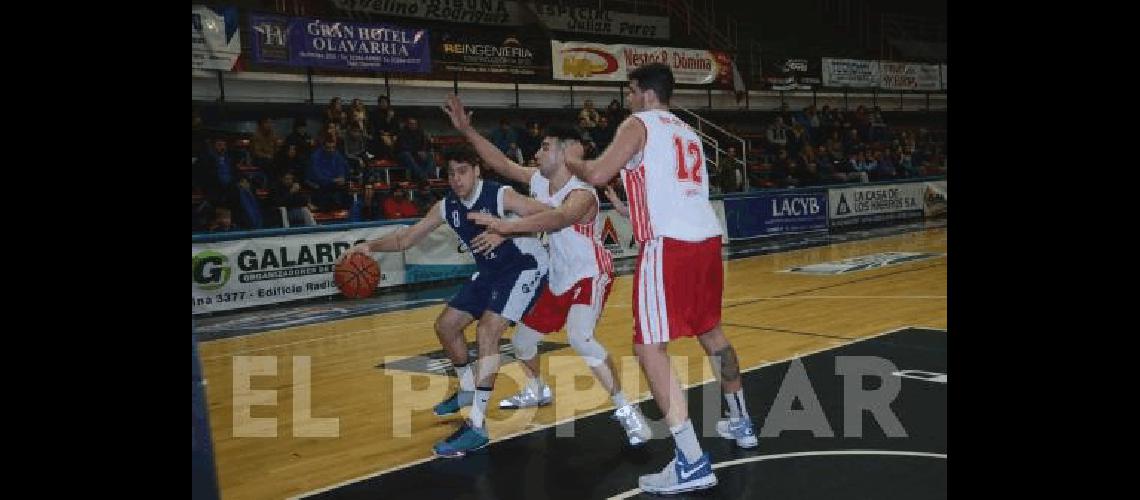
(487, 333)
(525, 341)
(443, 327)
(588, 347)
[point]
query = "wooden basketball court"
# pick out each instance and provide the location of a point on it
(342, 415)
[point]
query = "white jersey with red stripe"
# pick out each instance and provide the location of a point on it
(667, 182)
(576, 251)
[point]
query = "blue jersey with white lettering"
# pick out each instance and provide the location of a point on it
(514, 253)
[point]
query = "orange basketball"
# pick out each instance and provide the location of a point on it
(357, 276)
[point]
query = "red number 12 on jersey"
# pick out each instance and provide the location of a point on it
(693, 172)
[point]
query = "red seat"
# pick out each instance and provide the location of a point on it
(330, 215)
(382, 163)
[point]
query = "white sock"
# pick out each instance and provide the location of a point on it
(479, 406)
(466, 377)
(619, 399)
(686, 439)
(736, 408)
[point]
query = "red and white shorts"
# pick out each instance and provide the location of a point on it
(677, 289)
(549, 312)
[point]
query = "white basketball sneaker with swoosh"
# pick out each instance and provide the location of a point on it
(680, 476)
(528, 397)
(740, 430)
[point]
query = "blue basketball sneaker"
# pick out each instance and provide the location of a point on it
(451, 405)
(463, 441)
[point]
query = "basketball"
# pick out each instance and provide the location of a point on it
(357, 276)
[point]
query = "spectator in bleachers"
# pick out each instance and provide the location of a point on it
(884, 167)
(846, 119)
(413, 150)
(515, 153)
(826, 124)
(906, 167)
(333, 132)
(857, 167)
(777, 133)
(812, 125)
(730, 172)
(358, 114)
(386, 126)
(838, 119)
(264, 144)
(800, 117)
(861, 120)
(841, 167)
(870, 161)
(334, 113)
(805, 171)
(615, 113)
(590, 147)
(835, 145)
(807, 155)
(327, 174)
(286, 192)
(797, 140)
(247, 206)
(356, 141)
(300, 137)
(825, 166)
(786, 173)
(290, 159)
(878, 125)
(908, 142)
(851, 142)
(603, 134)
(589, 114)
(530, 141)
(504, 136)
(398, 206)
(216, 173)
(425, 198)
(222, 220)
(918, 157)
(782, 168)
(841, 119)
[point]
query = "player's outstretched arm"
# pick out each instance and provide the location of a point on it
(403, 238)
(492, 157)
(577, 205)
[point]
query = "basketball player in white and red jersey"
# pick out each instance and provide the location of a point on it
(581, 267)
(679, 281)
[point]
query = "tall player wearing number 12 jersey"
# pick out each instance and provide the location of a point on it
(679, 281)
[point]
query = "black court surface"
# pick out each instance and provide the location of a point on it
(816, 439)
